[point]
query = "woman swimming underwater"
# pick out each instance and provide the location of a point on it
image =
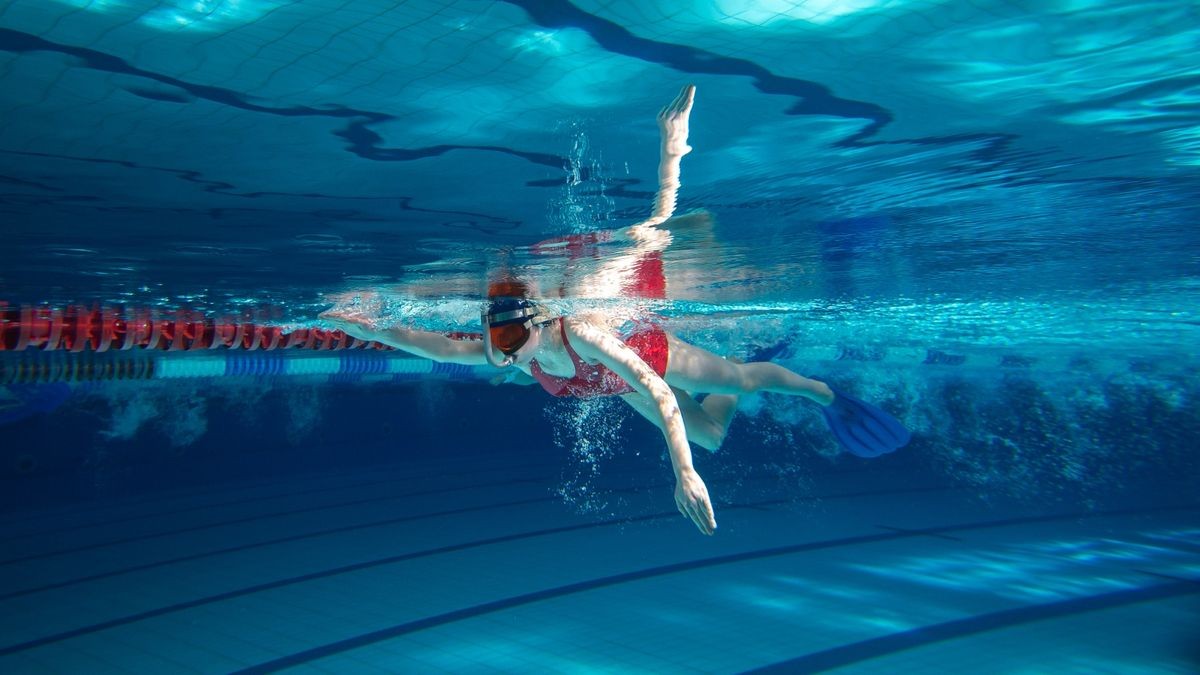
(652, 370)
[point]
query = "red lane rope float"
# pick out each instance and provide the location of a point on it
(78, 329)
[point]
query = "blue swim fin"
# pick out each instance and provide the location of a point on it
(768, 353)
(861, 428)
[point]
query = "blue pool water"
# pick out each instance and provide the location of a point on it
(978, 216)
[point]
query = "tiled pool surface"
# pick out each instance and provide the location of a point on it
(434, 567)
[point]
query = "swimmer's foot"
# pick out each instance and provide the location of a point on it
(769, 352)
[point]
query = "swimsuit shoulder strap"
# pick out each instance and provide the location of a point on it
(575, 358)
(579, 362)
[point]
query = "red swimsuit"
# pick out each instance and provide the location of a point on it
(650, 343)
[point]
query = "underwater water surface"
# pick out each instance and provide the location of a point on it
(980, 216)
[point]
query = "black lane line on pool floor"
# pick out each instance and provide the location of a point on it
(341, 646)
(907, 530)
(379, 562)
(760, 506)
(887, 645)
(335, 505)
(270, 542)
(1168, 577)
(102, 522)
(372, 637)
(265, 516)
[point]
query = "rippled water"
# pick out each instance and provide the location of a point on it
(936, 171)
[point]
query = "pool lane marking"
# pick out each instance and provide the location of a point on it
(886, 645)
(245, 500)
(372, 637)
(265, 516)
(335, 505)
(536, 596)
(427, 516)
(379, 562)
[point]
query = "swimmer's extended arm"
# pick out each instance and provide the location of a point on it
(595, 343)
(673, 128)
(426, 344)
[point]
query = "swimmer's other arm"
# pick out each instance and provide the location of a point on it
(691, 495)
(673, 132)
(426, 344)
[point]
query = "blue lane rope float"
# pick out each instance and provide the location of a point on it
(41, 367)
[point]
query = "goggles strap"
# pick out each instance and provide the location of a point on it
(511, 315)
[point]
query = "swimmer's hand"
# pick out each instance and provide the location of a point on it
(691, 497)
(351, 321)
(673, 123)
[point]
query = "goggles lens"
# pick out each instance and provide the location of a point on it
(508, 339)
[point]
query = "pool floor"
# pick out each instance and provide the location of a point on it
(437, 567)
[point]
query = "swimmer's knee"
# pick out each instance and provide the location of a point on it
(746, 378)
(709, 436)
(754, 377)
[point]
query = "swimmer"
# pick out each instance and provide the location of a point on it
(655, 372)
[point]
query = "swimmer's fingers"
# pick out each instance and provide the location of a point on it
(338, 314)
(702, 516)
(707, 515)
(673, 123)
(331, 315)
(681, 106)
(688, 509)
(347, 320)
(690, 513)
(685, 100)
(691, 496)
(704, 524)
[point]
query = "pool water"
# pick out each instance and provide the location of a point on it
(977, 216)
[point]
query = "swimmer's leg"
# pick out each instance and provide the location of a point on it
(706, 428)
(694, 369)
